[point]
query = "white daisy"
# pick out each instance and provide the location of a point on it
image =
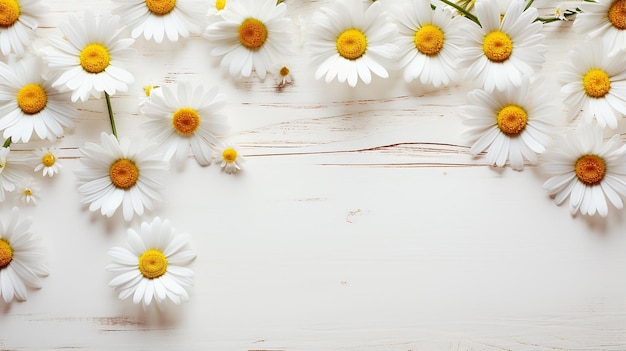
(184, 116)
(595, 83)
(588, 170)
(10, 171)
(429, 41)
(127, 172)
(513, 124)
(28, 191)
(20, 258)
(214, 13)
(29, 104)
(251, 36)
(230, 158)
(349, 43)
(501, 52)
(17, 18)
(154, 266)
(284, 75)
(605, 19)
(47, 161)
(161, 18)
(90, 57)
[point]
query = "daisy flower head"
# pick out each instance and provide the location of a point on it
(90, 56)
(230, 157)
(588, 170)
(17, 19)
(28, 192)
(10, 171)
(501, 52)
(252, 35)
(125, 173)
(429, 42)
(284, 74)
(47, 161)
(513, 124)
(349, 43)
(184, 116)
(605, 19)
(30, 105)
(154, 266)
(595, 83)
(20, 258)
(161, 18)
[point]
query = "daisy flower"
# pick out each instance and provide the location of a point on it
(28, 191)
(595, 83)
(10, 172)
(251, 36)
(284, 75)
(605, 19)
(17, 18)
(161, 18)
(29, 104)
(348, 43)
(90, 56)
(154, 265)
(588, 170)
(20, 258)
(513, 124)
(230, 158)
(123, 173)
(184, 116)
(429, 41)
(47, 161)
(501, 52)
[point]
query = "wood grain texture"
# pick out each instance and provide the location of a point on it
(360, 223)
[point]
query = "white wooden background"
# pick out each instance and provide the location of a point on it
(360, 223)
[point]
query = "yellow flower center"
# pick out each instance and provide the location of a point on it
(351, 44)
(95, 58)
(220, 4)
(252, 33)
(152, 264)
(596, 83)
(48, 159)
(6, 253)
(229, 155)
(27, 192)
(284, 72)
(185, 121)
(9, 12)
(123, 173)
(429, 40)
(512, 120)
(32, 98)
(617, 14)
(590, 169)
(497, 46)
(160, 7)
(148, 90)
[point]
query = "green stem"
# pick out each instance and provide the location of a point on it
(7, 142)
(111, 118)
(463, 11)
(530, 2)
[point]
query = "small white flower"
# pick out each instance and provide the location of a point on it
(349, 43)
(284, 75)
(30, 105)
(252, 35)
(125, 173)
(604, 20)
(230, 157)
(20, 258)
(596, 84)
(47, 161)
(28, 192)
(154, 265)
(161, 18)
(588, 170)
(182, 117)
(17, 19)
(501, 52)
(90, 57)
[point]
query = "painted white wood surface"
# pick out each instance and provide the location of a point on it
(360, 223)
